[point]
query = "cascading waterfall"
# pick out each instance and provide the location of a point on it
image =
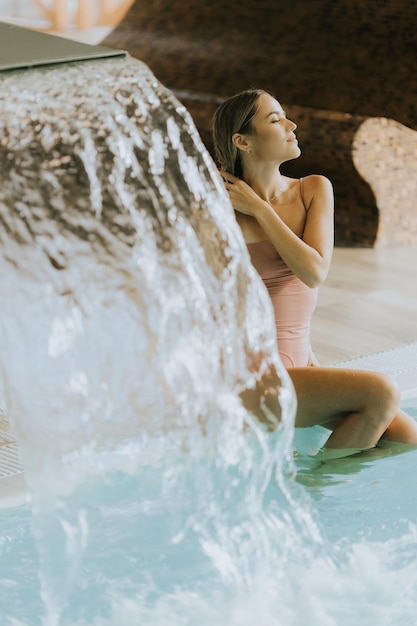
(134, 334)
(140, 373)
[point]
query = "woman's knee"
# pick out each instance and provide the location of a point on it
(384, 394)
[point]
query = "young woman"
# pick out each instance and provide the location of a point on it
(287, 223)
(288, 227)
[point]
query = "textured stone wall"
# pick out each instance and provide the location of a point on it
(333, 65)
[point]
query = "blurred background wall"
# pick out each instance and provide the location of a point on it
(66, 16)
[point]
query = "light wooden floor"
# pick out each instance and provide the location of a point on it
(367, 304)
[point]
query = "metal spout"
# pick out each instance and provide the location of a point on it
(22, 48)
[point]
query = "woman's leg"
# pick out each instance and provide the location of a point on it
(403, 428)
(360, 407)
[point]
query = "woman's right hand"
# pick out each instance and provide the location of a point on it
(243, 198)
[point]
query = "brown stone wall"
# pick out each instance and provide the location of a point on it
(333, 64)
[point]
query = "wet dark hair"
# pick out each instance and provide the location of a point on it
(234, 115)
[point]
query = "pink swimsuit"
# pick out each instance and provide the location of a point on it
(293, 304)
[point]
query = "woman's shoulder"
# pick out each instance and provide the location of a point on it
(313, 181)
(316, 186)
(311, 184)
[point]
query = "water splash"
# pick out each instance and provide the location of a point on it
(138, 353)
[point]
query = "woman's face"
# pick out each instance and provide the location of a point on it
(273, 137)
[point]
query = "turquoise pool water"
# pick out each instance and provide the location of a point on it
(349, 556)
(365, 497)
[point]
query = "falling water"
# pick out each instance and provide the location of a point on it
(140, 373)
(134, 335)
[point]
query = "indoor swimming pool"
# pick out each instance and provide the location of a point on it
(334, 543)
(133, 328)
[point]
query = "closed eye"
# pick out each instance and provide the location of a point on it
(279, 116)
